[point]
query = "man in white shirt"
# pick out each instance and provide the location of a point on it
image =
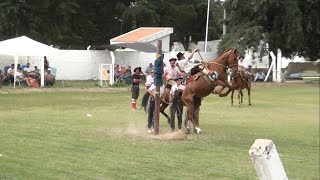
(152, 92)
(27, 69)
(187, 66)
(145, 97)
(177, 104)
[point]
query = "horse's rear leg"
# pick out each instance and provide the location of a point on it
(239, 96)
(162, 108)
(232, 92)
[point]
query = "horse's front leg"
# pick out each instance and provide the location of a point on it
(239, 96)
(162, 108)
(249, 89)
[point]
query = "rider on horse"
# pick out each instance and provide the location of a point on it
(188, 66)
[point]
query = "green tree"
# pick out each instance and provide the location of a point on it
(272, 24)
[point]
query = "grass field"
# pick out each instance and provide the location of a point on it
(48, 135)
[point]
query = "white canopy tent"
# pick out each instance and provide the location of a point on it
(24, 46)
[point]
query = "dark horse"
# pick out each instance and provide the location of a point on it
(239, 82)
(203, 86)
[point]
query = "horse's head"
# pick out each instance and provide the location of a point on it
(232, 59)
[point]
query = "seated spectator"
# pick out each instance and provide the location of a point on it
(49, 78)
(10, 74)
(36, 70)
(127, 75)
(2, 78)
(116, 73)
(260, 76)
(31, 82)
(149, 68)
(27, 70)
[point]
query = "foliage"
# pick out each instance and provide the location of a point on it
(271, 24)
(291, 25)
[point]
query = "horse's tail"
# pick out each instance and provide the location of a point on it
(145, 99)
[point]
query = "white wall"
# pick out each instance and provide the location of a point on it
(83, 64)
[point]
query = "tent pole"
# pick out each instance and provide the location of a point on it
(15, 70)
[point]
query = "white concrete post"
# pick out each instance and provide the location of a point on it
(112, 68)
(273, 57)
(266, 160)
(279, 63)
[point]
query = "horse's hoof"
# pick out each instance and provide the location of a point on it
(250, 104)
(188, 131)
(197, 130)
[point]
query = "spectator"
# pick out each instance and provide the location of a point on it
(31, 82)
(46, 63)
(27, 70)
(260, 76)
(149, 69)
(2, 78)
(10, 74)
(49, 78)
(116, 73)
(127, 75)
(136, 80)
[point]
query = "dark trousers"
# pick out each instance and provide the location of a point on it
(150, 112)
(176, 108)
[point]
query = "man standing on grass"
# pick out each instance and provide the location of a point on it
(136, 80)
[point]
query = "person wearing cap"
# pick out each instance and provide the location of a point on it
(172, 71)
(177, 104)
(136, 80)
(49, 78)
(186, 65)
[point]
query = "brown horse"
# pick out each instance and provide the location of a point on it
(239, 82)
(203, 86)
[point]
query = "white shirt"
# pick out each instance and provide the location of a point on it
(27, 69)
(153, 88)
(186, 65)
(176, 87)
(149, 80)
(171, 73)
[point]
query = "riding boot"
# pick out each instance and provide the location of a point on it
(133, 104)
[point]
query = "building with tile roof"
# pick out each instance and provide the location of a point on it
(147, 35)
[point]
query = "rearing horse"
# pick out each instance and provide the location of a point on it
(203, 86)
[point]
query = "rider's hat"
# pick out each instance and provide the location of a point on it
(180, 54)
(172, 59)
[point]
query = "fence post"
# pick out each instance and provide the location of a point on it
(266, 160)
